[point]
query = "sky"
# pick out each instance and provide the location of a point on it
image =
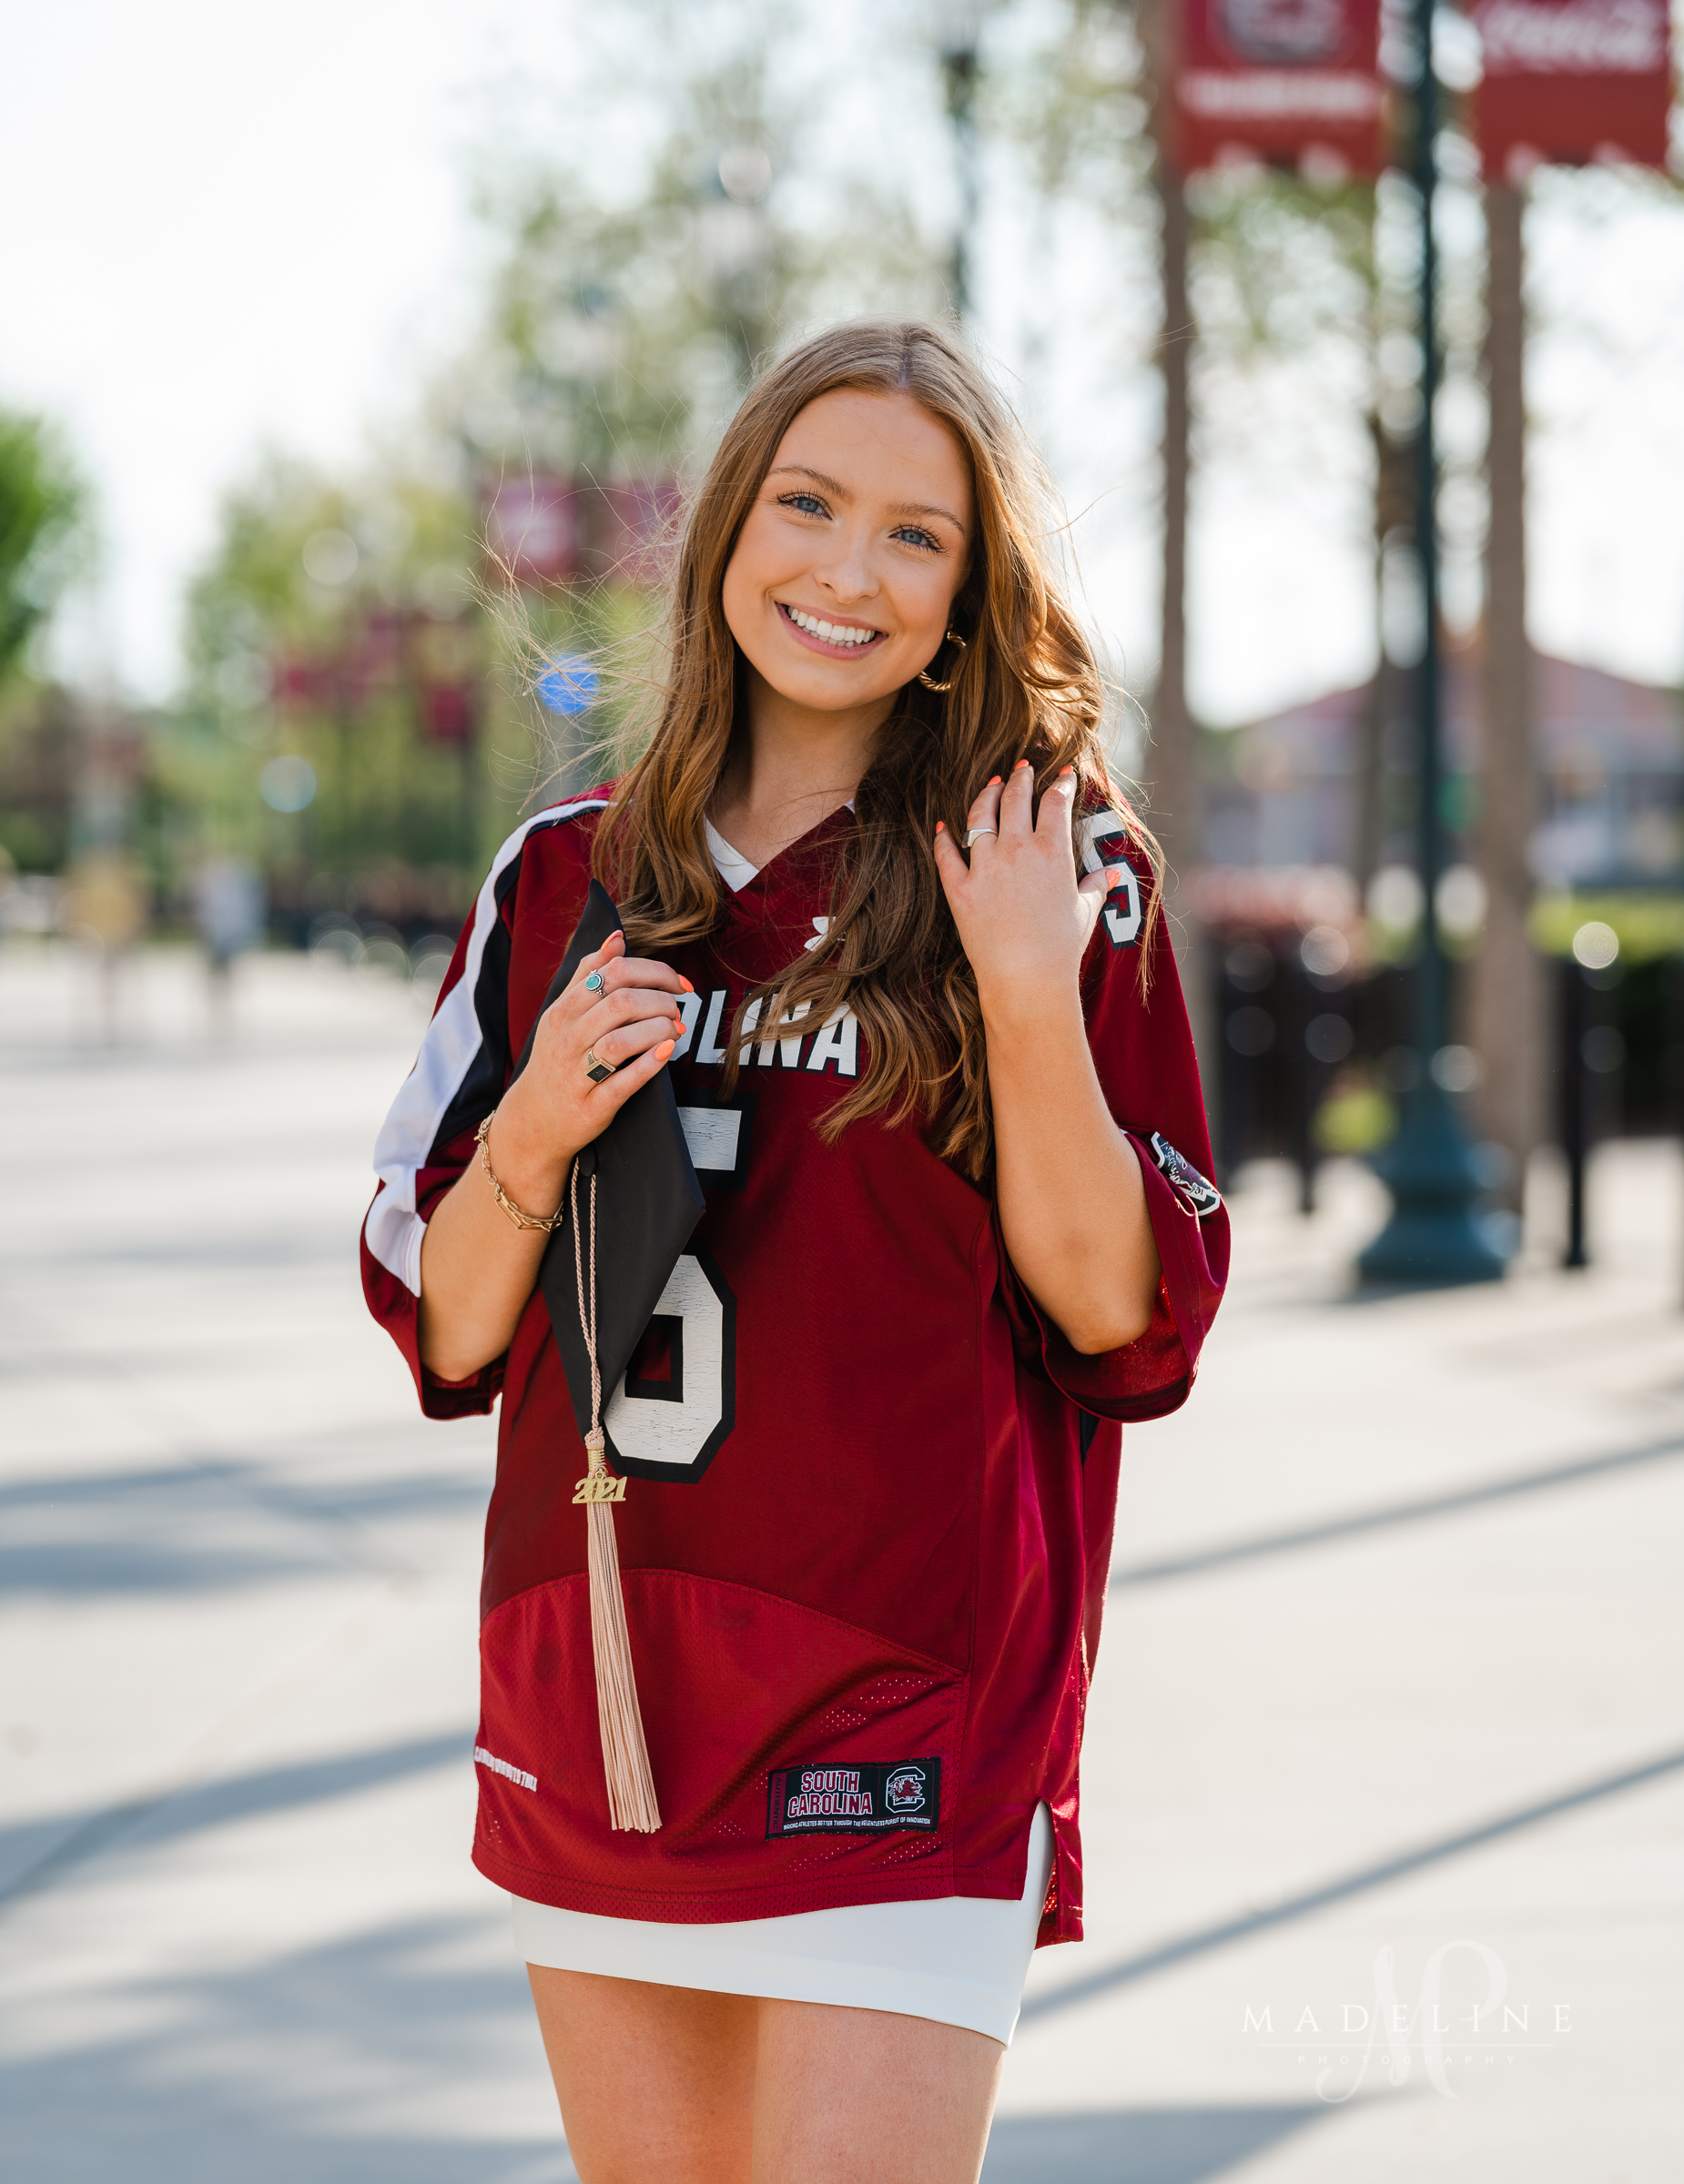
(226, 228)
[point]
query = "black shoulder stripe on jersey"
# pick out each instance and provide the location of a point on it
(459, 1071)
(483, 1082)
(477, 1093)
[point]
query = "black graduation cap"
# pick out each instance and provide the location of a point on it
(648, 1200)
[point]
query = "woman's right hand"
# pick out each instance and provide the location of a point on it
(477, 1268)
(553, 1109)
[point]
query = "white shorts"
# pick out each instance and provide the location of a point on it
(961, 1960)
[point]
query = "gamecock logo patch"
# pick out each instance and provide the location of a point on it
(1178, 1171)
(857, 1797)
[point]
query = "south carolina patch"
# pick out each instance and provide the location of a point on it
(1176, 1169)
(860, 1797)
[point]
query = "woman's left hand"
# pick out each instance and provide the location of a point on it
(1023, 917)
(1072, 1207)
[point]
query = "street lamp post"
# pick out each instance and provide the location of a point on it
(958, 37)
(1434, 1234)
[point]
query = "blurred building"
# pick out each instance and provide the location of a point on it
(1312, 820)
(1330, 782)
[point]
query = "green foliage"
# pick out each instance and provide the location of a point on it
(41, 505)
(629, 302)
(1077, 97)
(35, 750)
(626, 320)
(328, 607)
(1279, 264)
(1649, 925)
(1355, 1117)
(412, 538)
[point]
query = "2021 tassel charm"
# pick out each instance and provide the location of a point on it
(626, 1756)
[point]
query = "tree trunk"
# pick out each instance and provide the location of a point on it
(1171, 763)
(1506, 989)
(1394, 511)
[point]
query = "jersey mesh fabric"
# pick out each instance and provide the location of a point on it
(869, 1524)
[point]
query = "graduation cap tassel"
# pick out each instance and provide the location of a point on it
(626, 1756)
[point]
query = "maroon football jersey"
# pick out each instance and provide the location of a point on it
(867, 1537)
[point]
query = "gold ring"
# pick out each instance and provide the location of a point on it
(596, 1070)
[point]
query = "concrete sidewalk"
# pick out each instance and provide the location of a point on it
(1392, 1664)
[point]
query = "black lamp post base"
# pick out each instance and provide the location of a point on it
(1434, 1238)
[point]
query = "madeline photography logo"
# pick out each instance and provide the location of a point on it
(1448, 2026)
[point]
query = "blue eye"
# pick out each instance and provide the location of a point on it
(921, 539)
(808, 504)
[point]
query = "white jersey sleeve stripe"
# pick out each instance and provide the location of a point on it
(453, 1039)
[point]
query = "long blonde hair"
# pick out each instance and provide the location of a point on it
(1026, 686)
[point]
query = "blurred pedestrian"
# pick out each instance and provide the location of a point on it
(227, 909)
(893, 931)
(106, 909)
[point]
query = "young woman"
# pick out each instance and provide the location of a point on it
(891, 930)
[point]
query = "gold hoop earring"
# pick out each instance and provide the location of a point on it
(928, 681)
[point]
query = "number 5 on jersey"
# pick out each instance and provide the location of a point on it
(1105, 841)
(676, 1404)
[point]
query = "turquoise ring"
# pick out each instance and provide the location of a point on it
(596, 983)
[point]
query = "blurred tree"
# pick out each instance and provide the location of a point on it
(1077, 97)
(43, 536)
(626, 320)
(629, 302)
(41, 506)
(1294, 354)
(1507, 997)
(333, 614)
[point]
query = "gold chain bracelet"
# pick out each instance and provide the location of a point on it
(548, 1222)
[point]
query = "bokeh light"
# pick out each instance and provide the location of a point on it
(1324, 951)
(1456, 1069)
(1395, 898)
(1251, 1031)
(331, 557)
(1596, 946)
(1460, 902)
(288, 783)
(1328, 1038)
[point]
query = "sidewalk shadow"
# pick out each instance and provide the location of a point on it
(1131, 1576)
(1137, 2145)
(394, 2058)
(39, 1854)
(1225, 1933)
(384, 2059)
(217, 1525)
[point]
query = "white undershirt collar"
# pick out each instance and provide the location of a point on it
(732, 866)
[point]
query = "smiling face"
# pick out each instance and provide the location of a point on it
(839, 588)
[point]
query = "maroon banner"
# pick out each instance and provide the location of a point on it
(447, 711)
(1569, 82)
(531, 526)
(1283, 81)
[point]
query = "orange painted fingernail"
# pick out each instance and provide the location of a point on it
(941, 826)
(1022, 762)
(993, 781)
(686, 985)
